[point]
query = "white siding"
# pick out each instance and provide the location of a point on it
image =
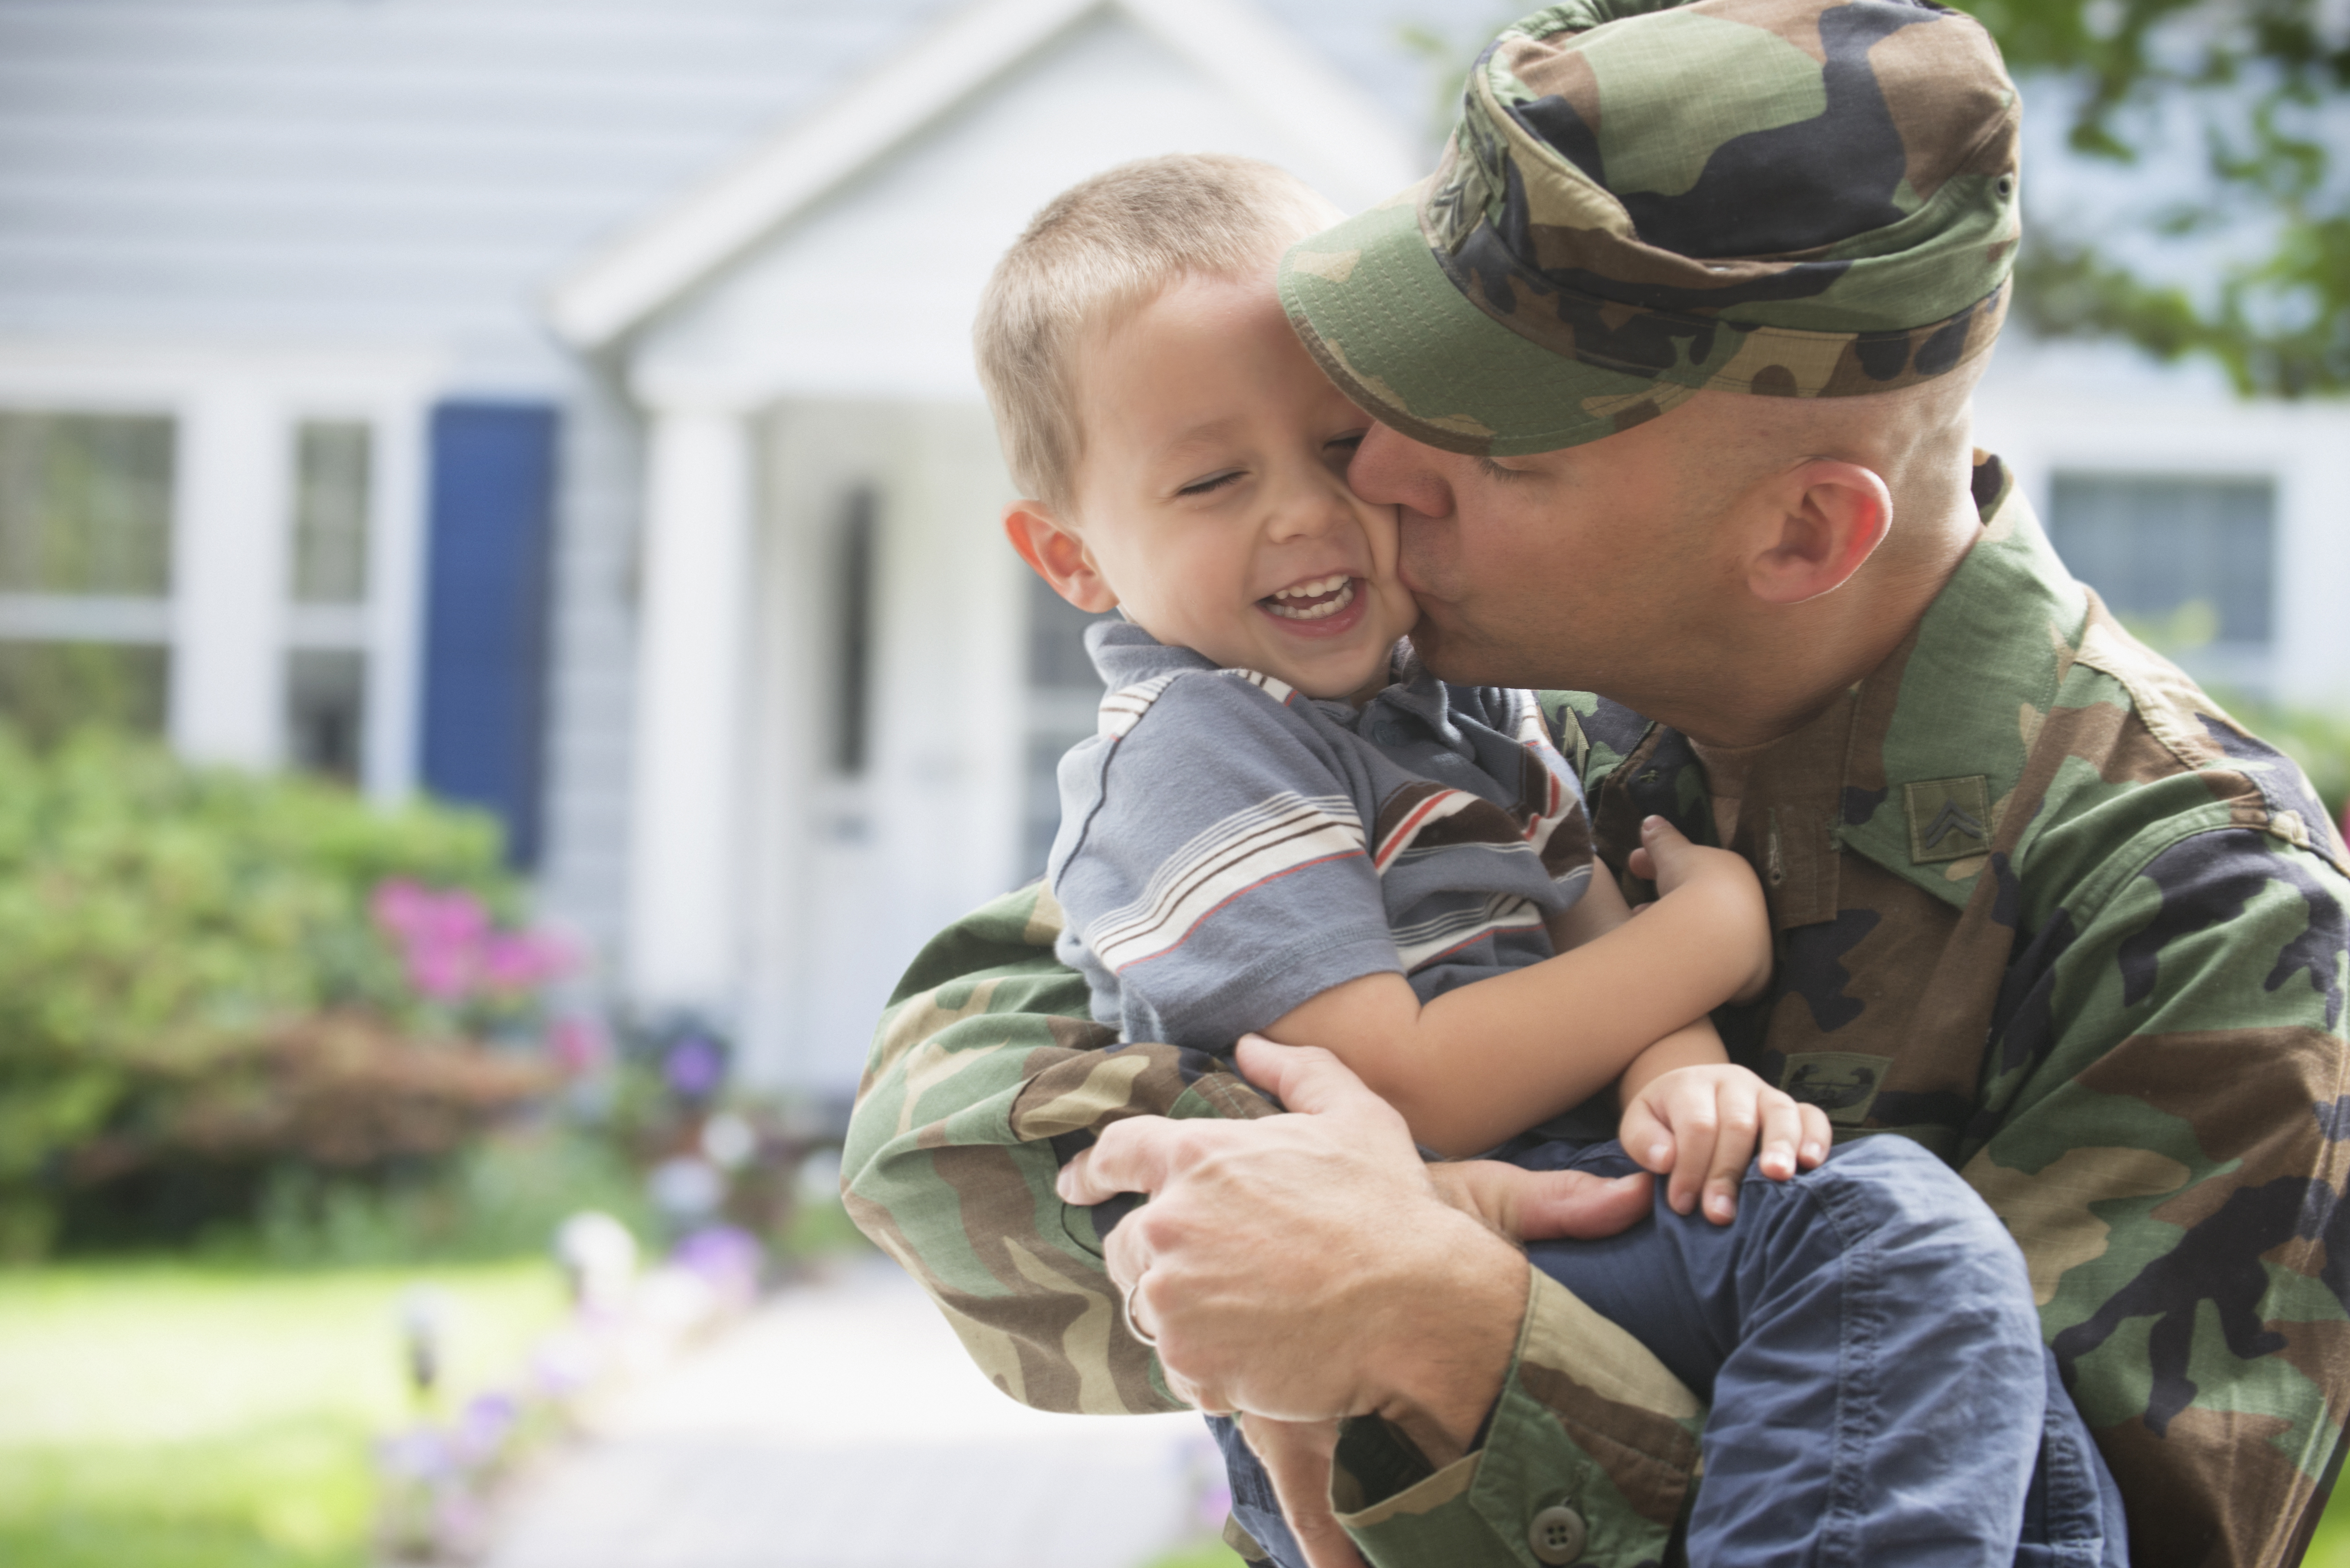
(583, 884)
(399, 168)
(871, 293)
(394, 167)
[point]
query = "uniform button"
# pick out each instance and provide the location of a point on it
(1556, 1535)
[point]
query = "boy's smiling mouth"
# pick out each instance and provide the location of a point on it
(1315, 599)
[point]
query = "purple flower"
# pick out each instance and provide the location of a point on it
(721, 1254)
(420, 1453)
(482, 1427)
(568, 1361)
(694, 1068)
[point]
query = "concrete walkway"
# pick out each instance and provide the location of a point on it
(842, 1426)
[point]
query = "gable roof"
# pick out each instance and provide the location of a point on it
(621, 284)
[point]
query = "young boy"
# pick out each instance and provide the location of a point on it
(1284, 824)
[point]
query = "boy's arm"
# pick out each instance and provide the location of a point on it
(1700, 1128)
(1483, 1061)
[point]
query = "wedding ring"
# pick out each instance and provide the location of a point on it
(1133, 1325)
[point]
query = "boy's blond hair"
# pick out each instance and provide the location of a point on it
(1102, 248)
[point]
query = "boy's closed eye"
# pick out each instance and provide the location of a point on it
(1338, 452)
(1213, 483)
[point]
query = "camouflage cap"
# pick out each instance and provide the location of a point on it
(1796, 198)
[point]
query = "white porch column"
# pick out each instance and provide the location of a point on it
(229, 553)
(686, 851)
(396, 600)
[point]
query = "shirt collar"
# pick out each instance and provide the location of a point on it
(1942, 731)
(1914, 765)
(1125, 655)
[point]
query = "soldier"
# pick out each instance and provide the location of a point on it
(1670, 358)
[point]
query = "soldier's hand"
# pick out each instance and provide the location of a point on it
(1543, 1205)
(1303, 1267)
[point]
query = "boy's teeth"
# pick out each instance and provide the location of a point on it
(1314, 590)
(1344, 594)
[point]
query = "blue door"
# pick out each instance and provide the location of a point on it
(490, 537)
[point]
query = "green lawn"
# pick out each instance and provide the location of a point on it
(164, 1416)
(160, 1416)
(2330, 1547)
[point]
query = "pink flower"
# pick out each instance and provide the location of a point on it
(453, 950)
(518, 960)
(577, 1044)
(397, 905)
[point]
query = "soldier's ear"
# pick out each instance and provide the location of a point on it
(1058, 555)
(1826, 517)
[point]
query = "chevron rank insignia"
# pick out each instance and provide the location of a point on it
(1949, 819)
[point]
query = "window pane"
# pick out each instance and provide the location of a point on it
(85, 504)
(2152, 543)
(1064, 693)
(326, 711)
(852, 635)
(48, 688)
(1056, 641)
(330, 513)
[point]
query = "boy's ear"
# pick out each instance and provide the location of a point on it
(1059, 555)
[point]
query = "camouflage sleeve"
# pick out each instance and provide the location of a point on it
(1592, 733)
(1592, 1442)
(2162, 1132)
(987, 1074)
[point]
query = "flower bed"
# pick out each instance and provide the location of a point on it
(209, 976)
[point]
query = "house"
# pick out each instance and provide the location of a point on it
(567, 408)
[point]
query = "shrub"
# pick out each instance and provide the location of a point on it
(189, 969)
(2317, 739)
(500, 1197)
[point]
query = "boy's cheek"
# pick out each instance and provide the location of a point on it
(1380, 532)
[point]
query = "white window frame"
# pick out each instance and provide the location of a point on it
(2302, 449)
(230, 617)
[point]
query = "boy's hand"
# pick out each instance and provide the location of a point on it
(1700, 1125)
(1723, 882)
(1296, 1456)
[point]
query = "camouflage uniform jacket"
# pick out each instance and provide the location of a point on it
(2039, 905)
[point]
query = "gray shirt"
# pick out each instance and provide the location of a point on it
(1231, 847)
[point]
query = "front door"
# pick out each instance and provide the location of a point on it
(889, 749)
